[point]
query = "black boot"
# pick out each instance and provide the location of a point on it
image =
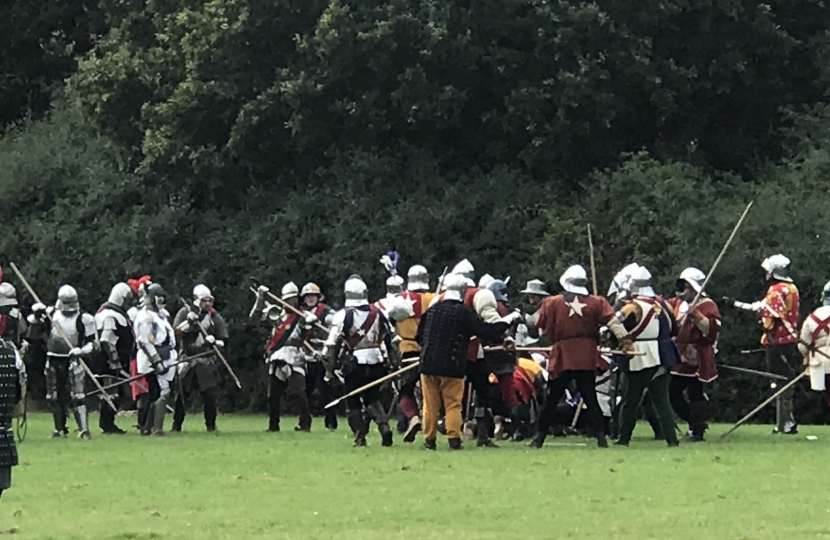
(697, 421)
(539, 440)
(455, 443)
(483, 426)
(358, 426)
(429, 444)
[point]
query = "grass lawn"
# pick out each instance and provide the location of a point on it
(244, 483)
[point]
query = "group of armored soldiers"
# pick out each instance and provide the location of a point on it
(485, 370)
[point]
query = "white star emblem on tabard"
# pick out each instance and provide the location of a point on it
(576, 307)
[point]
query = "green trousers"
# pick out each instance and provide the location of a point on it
(656, 381)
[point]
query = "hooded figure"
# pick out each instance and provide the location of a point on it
(779, 313)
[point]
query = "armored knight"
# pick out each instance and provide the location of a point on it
(284, 355)
(70, 339)
(155, 358)
(354, 345)
(199, 328)
(12, 322)
(117, 339)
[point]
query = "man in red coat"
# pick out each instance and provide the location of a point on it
(778, 313)
(699, 326)
(572, 321)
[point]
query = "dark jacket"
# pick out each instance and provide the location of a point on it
(444, 334)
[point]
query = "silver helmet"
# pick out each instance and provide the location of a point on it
(825, 294)
(121, 295)
(67, 299)
(465, 268)
(394, 285)
(356, 292)
(8, 296)
(418, 278)
(154, 296)
(200, 292)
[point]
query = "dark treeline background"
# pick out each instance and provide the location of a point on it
(211, 141)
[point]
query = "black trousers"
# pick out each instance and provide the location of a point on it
(363, 374)
(488, 396)
(320, 393)
(680, 403)
(209, 396)
(586, 384)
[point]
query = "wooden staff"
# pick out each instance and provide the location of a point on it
(769, 400)
(63, 336)
(289, 307)
(215, 348)
(720, 256)
(371, 385)
(593, 266)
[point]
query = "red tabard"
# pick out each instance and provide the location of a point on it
(573, 329)
(697, 352)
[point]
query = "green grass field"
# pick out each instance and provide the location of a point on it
(244, 483)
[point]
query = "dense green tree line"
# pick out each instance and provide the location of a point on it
(211, 141)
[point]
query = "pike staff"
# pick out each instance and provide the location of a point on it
(64, 337)
(593, 266)
(720, 256)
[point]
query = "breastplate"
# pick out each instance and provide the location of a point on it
(68, 323)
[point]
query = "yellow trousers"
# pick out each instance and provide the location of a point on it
(438, 392)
